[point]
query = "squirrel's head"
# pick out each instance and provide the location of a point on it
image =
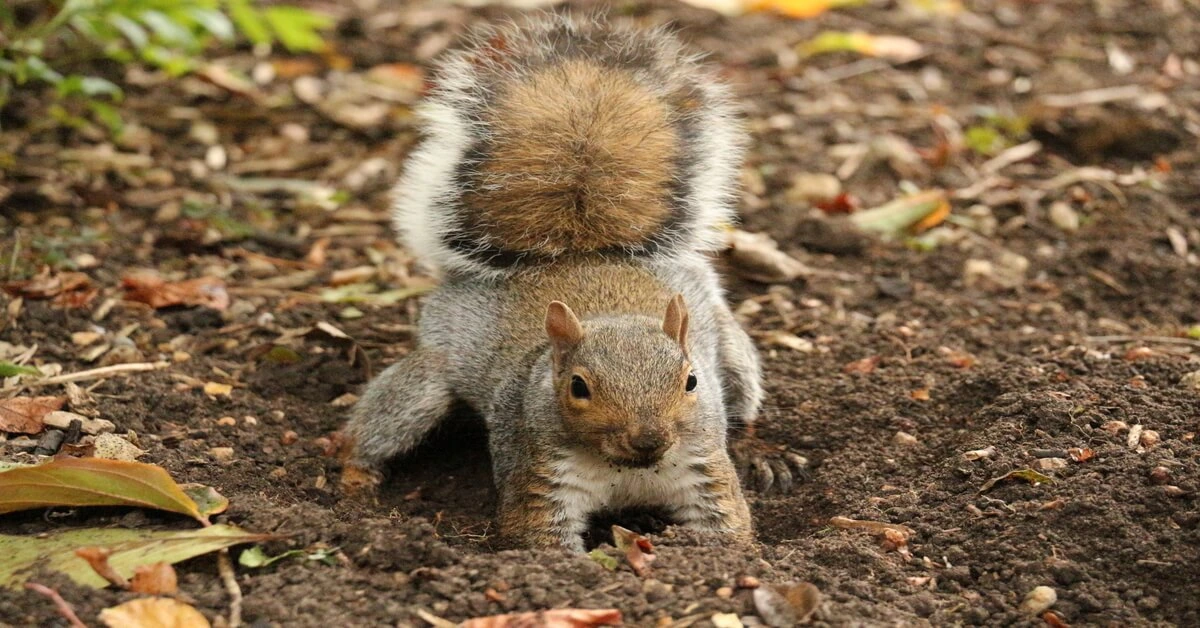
(624, 384)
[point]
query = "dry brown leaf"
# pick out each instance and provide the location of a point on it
(97, 559)
(153, 612)
(757, 257)
(865, 366)
(69, 289)
(1080, 455)
(639, 552)
(788, 604)
(156, 579)
(24, 414)
(149, 288)
(556, 618)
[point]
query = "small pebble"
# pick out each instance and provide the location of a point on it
(249, 420)
(1191, 381)
(289, 437)
(725, 593)
(1149, 438)
(1049, 464)
(1039, 600)
(1115, 427)
(1134, 437)
(226, 421)
(278, 472)
(1160, 475)
(221, 454)
(61, 419)
(748, 582)
(906, 439)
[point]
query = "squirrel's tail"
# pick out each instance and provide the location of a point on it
(567, 136)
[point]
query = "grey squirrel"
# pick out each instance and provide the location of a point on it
(573, 181)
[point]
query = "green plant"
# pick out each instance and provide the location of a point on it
(42, 42)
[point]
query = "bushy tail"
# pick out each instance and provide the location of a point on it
(567, 136)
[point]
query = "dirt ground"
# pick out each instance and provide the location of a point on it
(1049, 313)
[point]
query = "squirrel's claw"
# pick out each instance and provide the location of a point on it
(767, 469)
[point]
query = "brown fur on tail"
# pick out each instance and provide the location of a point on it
(569, 137)
(580, 159)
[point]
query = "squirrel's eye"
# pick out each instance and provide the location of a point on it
(691, 382)
(579, 388)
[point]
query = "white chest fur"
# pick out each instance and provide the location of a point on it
(586, 484)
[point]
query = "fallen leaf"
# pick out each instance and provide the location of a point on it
(69, 289)
(910, 213)
(637, 549)
(757, 257)
(8, 369)
(865, 366)
(1080, 455)
(556, 618)
(786, 605)
(97, 559)
(147, 287)
(801, 9)
(154, 579)
(24, 415)
(841, 204)
(127, 550)
(153, 612)
(93, 482)
(891, 47)
(208, 500)
(1033, 477)
(602, 559)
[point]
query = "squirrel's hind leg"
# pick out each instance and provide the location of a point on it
(764, 467)
(399, 408)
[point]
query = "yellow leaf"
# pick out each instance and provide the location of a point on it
(153, 612)
(890, 47)
(93, 482)
(801, 9)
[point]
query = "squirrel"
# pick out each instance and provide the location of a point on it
(573, 180)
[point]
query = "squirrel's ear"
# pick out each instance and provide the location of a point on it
(676, 322)
(563, 327)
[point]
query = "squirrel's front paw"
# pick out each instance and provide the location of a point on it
(765, 468)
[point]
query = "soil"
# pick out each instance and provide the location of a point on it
(999, 331)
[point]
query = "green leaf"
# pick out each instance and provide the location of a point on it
(1193, 332)
(256, 557)
(21, 556)
(107, 115)
(93, 482)
(604, 560)
(168, 30)
(36, 68)
(297, 28)
(207, 499)
(137, 36)
(212, 20)
(8, 369)
(249, 21)
(894, 217)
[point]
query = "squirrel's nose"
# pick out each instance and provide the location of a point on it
(649, 443)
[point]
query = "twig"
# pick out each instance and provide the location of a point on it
(878, 527)
(225, 567)
(103, 371)
(1093, 96)
(1165, 340)
(63, 607)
